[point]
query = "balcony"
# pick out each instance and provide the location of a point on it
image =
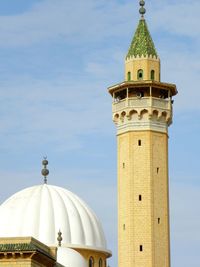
(141, 103)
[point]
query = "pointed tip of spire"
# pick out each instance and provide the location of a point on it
(142, 10)
(45, 171)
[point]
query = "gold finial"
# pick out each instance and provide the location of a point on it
(45, 171)
(59, 238)
(142, 9)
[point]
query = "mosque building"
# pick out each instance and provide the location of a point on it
(46, 225)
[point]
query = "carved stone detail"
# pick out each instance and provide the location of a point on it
(145, 114)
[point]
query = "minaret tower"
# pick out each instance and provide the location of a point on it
(142, 112)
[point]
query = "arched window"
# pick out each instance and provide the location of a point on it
(100, 263)
(140, 74)
(152, 75)
(91, 262)
(129, 76)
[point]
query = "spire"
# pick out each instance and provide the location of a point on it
(45, 171)
(142, 43)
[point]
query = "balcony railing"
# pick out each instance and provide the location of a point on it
(144, 102)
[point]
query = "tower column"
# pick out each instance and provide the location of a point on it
(143, 198)
(142, 112)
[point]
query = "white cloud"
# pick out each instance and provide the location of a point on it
(35, 114)
(178, 17)
(70, 20)
(91, 20)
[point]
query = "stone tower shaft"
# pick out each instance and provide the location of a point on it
(142, 118)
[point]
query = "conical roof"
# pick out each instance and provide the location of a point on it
(142, 43)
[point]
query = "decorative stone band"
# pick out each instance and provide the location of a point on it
(142, 126)
(151, 57)
(142, 114)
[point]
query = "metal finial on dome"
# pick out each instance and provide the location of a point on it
(142, 9)
(45, 171)
(59, 238)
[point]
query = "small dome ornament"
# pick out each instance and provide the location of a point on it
(59, 238)
(45, 171)
(142, 9)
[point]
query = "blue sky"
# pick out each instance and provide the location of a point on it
(57, 60)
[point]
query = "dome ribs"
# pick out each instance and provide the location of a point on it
(41, 211)
(62, 222)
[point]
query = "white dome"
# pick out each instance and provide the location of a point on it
(41, 211)
(70, 258)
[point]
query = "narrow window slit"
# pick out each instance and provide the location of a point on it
(141, 248)
(158, 170)
(140, 197)
(152, 74)
(129, 76)
(139, 142)
(158, 220)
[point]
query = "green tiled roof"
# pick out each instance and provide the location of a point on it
(142, 43)
(21, 247)
(17, 247)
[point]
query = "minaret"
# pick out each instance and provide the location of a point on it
(142, 112)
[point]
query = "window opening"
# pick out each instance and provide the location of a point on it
(129, 76)
(91, 262)
(140, 74)
(141, 248)
(152, 74)
(139, 142)
(124, 227)
(158, 170)
(120, 95)
(123, 165)
(100, 263)
(158, 220)
(140, 197)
